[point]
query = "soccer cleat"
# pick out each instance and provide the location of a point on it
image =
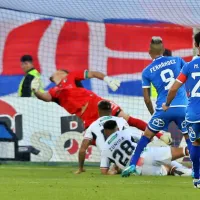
(128, 171)
(196, 183)
(181, 171)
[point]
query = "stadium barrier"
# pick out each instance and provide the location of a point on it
(48, 132)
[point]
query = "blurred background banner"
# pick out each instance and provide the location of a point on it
(119, 50)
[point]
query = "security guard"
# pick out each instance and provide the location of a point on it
(30, 73)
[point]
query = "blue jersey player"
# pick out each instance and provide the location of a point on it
(190, 75)
(162, 73)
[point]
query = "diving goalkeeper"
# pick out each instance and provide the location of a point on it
(80, 101)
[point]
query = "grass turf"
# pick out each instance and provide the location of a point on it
(59, 183)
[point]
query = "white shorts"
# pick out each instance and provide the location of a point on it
(152, 160)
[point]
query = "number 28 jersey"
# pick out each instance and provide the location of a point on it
(95, 130)
(118, 149)
(190, 75)
(162, 73)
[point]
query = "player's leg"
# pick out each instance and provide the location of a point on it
(141, 125)
(132, 121)
(179, 152)
(156, 124)
(157, 161)
(179, 119)
(177, 169)
(194, 134)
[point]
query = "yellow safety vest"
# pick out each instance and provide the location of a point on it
(153, 92)
(34, 73)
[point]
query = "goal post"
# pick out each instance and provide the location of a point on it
(73, 40)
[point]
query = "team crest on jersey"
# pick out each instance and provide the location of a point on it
(158, 122)
(183, 124)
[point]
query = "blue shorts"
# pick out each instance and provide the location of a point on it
(193, 131)
(161, 120)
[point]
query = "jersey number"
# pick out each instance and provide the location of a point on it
(127, 148)
(194, 92)
(167, 76)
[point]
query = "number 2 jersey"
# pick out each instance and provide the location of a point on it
(118, 149)
(162, 73)
(190, 75)
(95, 130)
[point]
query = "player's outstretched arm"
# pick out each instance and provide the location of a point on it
(35, 86)
(114, 84)
(147, 100)
(81, 155)
(45, 96)
(171, 94)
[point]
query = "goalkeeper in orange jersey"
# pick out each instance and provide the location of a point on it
(80, 101)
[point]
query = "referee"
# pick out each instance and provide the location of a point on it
(30, 73)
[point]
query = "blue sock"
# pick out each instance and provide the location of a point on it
(189, 144)
(140, 147)
(195, 157)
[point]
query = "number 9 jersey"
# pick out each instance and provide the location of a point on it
(162, 73)
(118, 149)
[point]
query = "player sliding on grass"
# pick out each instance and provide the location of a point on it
(190, 74)
(94, 134)
(162, 73)
(80, 101)
(120, 146)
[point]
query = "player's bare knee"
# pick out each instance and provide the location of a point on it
(124, 115)
(149, 134)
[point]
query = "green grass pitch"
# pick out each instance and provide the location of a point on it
(59, 183)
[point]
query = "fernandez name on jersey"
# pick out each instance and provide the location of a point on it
(162, 73)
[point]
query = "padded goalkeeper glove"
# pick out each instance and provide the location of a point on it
(114, 84)
(166, 138)
(36, 84)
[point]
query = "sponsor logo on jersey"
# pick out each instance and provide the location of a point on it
(112, 139)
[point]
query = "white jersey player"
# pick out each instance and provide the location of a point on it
(96, 130)
(120, 146)
(94, 134)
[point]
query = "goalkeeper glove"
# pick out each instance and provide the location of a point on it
(114, 84)
(166, 138)
(35, 84)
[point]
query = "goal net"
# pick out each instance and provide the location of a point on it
(111, 36)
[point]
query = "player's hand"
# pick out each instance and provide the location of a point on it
(114, 84)
(79, 171)
(164, 107)
(36, 84)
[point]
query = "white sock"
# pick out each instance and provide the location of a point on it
(174, 163)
